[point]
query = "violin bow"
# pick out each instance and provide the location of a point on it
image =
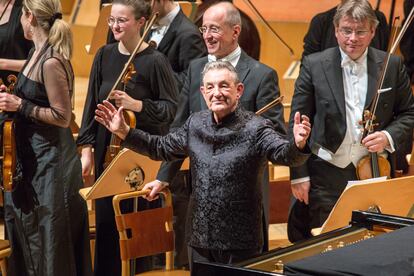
(267, 25)
(269, 105)
(395, 41)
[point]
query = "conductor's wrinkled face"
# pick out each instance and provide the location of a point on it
(354, 36)
(221, 91)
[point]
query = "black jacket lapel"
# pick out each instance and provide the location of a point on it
(171, 33)
(333, 72)
(374, 64)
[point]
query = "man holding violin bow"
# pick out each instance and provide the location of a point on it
(333, 89)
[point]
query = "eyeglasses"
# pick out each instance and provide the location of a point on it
(212, 29)
(348, 32)
(121, 21)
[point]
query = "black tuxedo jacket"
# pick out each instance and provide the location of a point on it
(181, 44)
(319, 94)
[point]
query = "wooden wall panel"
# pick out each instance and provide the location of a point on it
(81, 60)
(67, 6)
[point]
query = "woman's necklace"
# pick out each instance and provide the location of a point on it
(5, 9)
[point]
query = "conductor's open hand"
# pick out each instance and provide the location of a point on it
(301, 130)
(112, 118)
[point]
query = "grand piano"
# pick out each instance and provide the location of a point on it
(372, 244)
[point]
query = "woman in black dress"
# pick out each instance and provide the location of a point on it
(46, 219)
(14, 47)
(150, 94)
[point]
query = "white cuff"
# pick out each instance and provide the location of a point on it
(163, 183)
(299, 180)
(391, 147)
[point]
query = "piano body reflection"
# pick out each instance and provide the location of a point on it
(373, 244)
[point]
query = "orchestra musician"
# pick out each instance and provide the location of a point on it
(228, 149)
(249, 38)
(320, 36)
(334, 87)
(221, 29)
(176, 37)
(151, 95)
(321, 33)
(45, 217)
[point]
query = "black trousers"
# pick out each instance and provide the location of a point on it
(327, 184)
(196, 254)
(181, 189)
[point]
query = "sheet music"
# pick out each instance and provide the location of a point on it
(365, 181)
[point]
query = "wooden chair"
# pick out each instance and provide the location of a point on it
(145, 233)
(5, 252)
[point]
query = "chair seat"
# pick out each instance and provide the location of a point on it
(165, 273)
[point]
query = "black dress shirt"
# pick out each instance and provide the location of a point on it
(227, 162)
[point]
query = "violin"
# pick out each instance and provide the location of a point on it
(374, 165)
(115, 144)
(9, 145)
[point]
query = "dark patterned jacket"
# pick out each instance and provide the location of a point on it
(227, 162)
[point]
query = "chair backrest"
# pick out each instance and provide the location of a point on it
(145, 233)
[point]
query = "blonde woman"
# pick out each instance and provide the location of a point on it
(46, 220)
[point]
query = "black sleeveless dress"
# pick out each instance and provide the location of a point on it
(46, 219)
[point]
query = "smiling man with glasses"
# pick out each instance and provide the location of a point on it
(333, 89)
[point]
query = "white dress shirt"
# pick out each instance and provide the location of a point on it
(355, 80)
(233, 57)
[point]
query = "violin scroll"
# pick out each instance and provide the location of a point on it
(368, 123)
(128, 74)
(12, 79)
